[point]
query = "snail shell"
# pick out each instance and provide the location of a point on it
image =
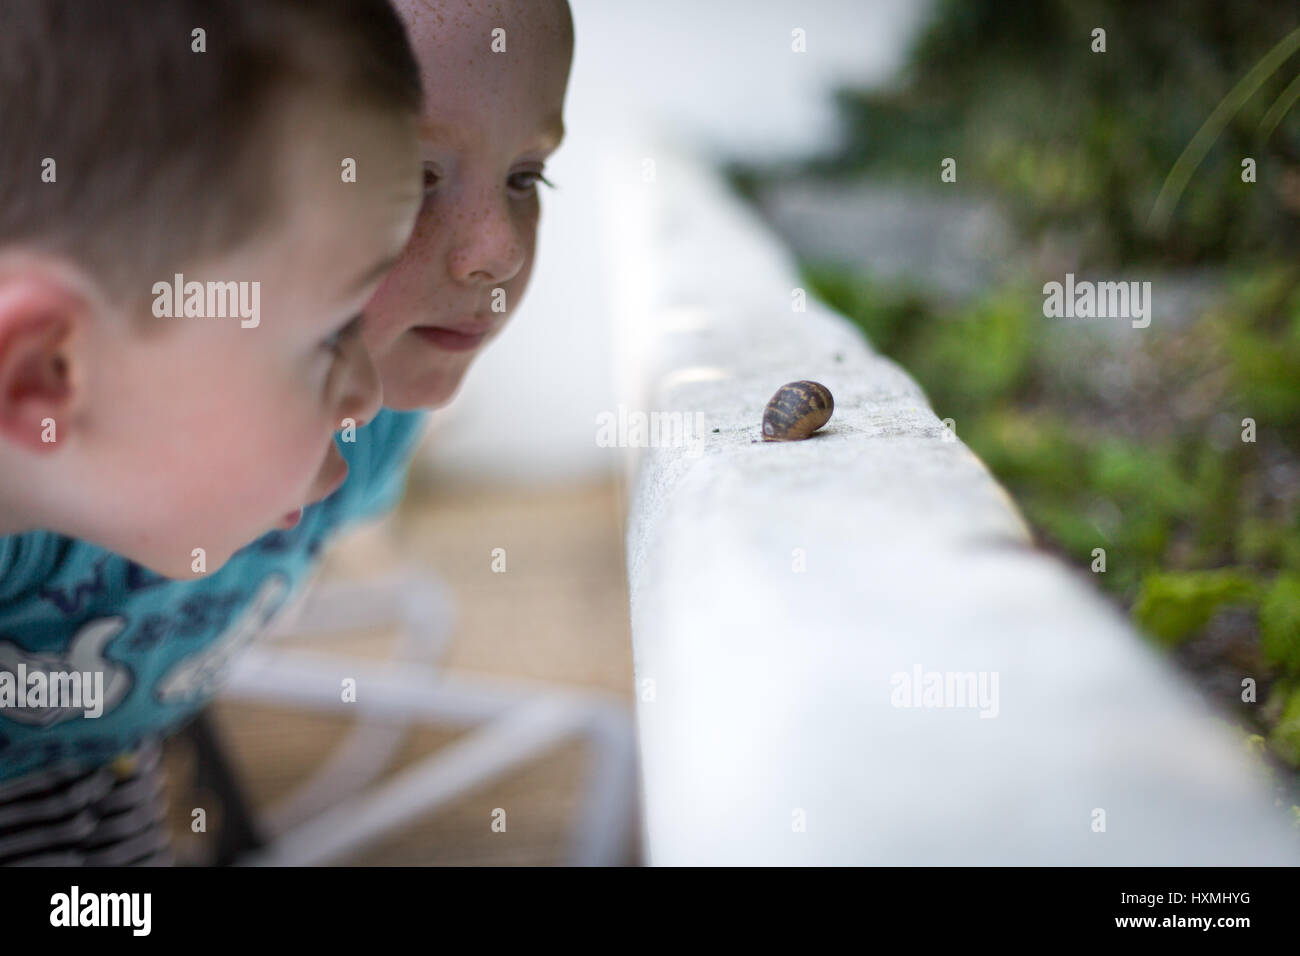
(796, 411)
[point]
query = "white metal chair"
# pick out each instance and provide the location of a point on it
(342, 808)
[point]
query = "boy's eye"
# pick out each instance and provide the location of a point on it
(335, 342)
(431, 178)
(525, 181)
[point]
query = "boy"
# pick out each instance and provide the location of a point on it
(183, 260)
(490, 121)
(492, 117)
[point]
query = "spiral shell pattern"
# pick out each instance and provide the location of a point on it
(796, 411)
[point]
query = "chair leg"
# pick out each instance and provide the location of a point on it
(306, 680)
(426, 786)
(602, 831)
(238, 833)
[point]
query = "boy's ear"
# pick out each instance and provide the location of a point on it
(39, 315)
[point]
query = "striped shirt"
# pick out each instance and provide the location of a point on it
(68, 815)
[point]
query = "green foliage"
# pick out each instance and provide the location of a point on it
(1034, 452)
(1263, 348)
(1279, 622)
(1270, 543)
(977, 357)
(970, 358)
(1146, 475)
(1173, 605)
(1284, 739)
(889, 315)
(1182, 538)
(1084, 141)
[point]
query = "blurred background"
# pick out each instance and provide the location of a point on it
(1128, 439)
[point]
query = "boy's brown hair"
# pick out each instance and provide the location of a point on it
(162, 153)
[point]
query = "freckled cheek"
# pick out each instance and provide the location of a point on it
(381, 318)
(428, 223)
(528, 237)
(422, 242)
(527, 222)
(389, 311)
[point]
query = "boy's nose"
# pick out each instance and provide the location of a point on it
(489, 250)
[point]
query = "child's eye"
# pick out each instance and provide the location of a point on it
(335, 342)
(431, 178)
(525, 181)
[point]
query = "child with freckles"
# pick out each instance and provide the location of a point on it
(490, 120)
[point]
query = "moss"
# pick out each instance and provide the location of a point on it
(1279, 622)
(1265, 372)
(1284, 739)
(1174, 605)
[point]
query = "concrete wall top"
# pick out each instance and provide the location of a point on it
(792, 603)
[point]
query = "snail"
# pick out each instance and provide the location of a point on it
(796, 411)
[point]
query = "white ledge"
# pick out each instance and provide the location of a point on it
(764, 693)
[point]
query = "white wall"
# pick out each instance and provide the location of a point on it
(718, 74)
